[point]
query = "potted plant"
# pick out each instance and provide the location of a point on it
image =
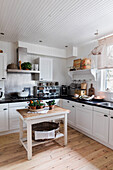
(51, 104)
(40, 105)
(26, 66)
(33, 104)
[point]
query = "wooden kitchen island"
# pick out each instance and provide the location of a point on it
(33, 118)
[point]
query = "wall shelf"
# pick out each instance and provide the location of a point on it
(88, 74)
(23, 71)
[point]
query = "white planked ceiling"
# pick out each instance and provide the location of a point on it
(56, 22)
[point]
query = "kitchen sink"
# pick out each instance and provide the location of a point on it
(109, 104)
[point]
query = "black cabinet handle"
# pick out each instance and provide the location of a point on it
(5, 109)
(83, 105)
(73, 106)
(111, 117)
(67, 101)
(105, 115)
(3, 78)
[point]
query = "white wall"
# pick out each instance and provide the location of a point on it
(83, 52)
(16, 82)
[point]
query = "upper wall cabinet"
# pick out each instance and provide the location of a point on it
(3, 65)
(46, 69)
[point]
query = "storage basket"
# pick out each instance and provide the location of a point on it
(77, 64)
(86, 63)
(45, 130)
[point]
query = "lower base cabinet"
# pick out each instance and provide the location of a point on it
(111, 128)
(84, 119)
(14, 115)
(101, 126)
(70, 105)
(3, 117)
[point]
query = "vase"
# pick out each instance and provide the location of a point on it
(33, 107)
(41, 107)
(51, 107)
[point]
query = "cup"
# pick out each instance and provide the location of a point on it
(36, 67)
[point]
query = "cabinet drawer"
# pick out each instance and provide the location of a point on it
(69, 102)
(102, 110)
(85, 106)
(3, 106)
(18, 104)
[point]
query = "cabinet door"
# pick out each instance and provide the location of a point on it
(100, 126)
(66, 104)
(46, 69)
(111, 131)
(14, 115)
(14, 118)
(84, 119)
(3, 117)
(71, 115)
(3, 64)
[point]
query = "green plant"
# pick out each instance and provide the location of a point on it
(33, 103)
(26, 65)
(50, 103)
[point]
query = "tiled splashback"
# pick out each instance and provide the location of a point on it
(16, 82)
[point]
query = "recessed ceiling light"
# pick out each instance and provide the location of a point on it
(96, 33)
(66, 46)
(40, 40)
(2, 33)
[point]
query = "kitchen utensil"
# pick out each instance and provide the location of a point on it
(23, 94)
(36, 67)
(91, 90)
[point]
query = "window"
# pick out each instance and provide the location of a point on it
(107, 80)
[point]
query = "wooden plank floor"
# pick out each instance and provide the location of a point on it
(81, 153)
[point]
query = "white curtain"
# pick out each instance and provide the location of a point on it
(105, 60)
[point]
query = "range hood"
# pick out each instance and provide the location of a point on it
(88, 74)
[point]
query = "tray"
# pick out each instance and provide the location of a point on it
(35, 110)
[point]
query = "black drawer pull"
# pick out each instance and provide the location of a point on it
(73, 106)
(111, 117)
(105, 115)
(67, 101)
(3, 78)
(83, 105)
(5, 109)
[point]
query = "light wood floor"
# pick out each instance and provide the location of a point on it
(80, 153)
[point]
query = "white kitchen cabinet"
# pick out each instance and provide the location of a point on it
(3, 117)
(70, 105)
(46, 69)
(84, 117)
(3, 65)
(111, 128)
(101, 124)
(14, 115)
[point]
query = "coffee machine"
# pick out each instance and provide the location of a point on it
(64, 90)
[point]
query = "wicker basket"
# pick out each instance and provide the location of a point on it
(45, 130)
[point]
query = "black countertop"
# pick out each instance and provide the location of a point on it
(92, 102)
